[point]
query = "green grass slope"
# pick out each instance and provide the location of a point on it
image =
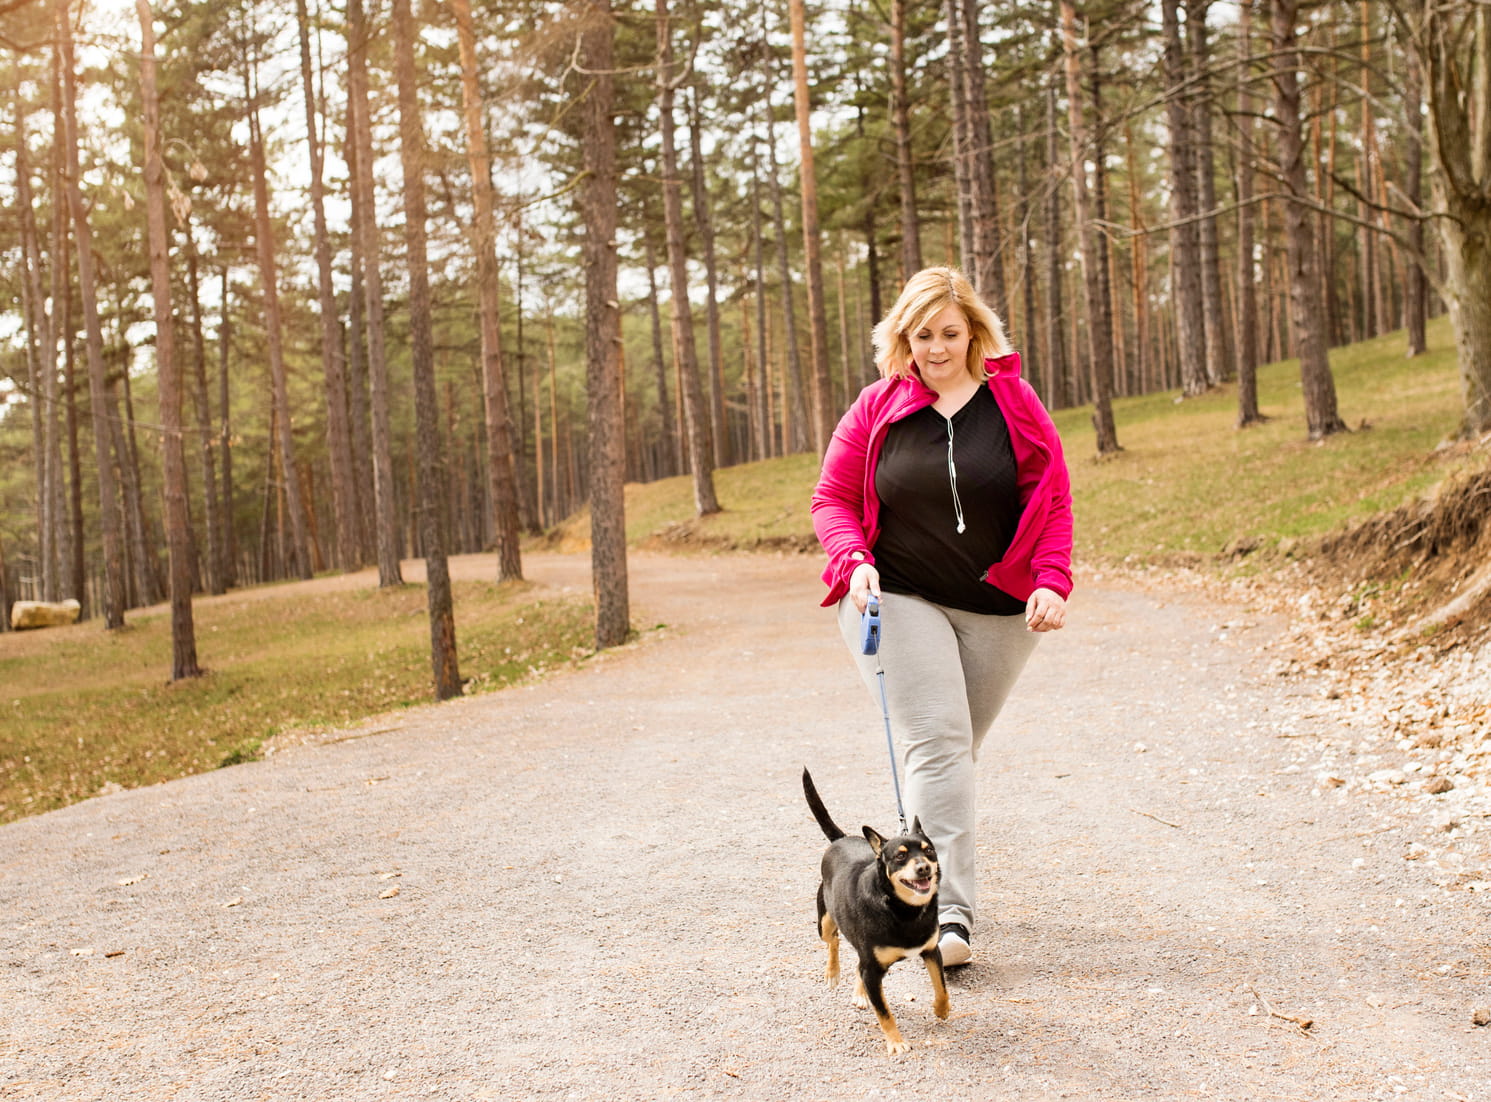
(1187, 484)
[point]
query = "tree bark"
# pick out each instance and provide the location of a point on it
(141, 555)
(796, 429)
(762, 430)
(1452, 44)
(225, 435)
(110, 521)
(41, 360)
(346, 546)
(1306, 308)
(685, 352)
(1058, 374)
(179, 540)
(299, 547)
(988, 268)
(365, 226)
(62, 334)
(911, 243)
(206, 452)
(823, 413)
(430, 507)
(960, 144)
(1416, 291)
(1094, 263)
(501, 483)
(603, 329)
(670, 447)
(704, 229)
(1219, 364)
(1248, 357)
(1185, 237)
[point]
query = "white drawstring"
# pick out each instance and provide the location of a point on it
(952, 477)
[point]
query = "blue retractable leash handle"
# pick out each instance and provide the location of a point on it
(869, 627)
(869, 643)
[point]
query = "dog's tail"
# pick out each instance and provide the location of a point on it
(815, 803)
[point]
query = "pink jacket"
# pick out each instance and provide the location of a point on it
(846, 510)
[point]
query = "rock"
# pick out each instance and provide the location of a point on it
(1482, 1015)
(1437, 785)
(44, 614)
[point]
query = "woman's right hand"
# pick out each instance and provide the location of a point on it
(862, 583)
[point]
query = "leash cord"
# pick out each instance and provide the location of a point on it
(890, 742)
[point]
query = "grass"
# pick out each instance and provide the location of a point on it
(1189, 482)
(86, 711)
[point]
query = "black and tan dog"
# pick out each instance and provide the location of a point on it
(881, 894)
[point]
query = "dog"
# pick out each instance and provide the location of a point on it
(881, 894)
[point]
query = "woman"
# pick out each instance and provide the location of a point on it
(944, 494)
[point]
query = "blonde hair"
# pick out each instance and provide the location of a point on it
(925, 295)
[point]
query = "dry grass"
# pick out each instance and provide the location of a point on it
(87, 710)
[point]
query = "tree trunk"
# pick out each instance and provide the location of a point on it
(960, 144)
(796, 427)
(988, 268)
(1248, 357)
(501, 483)
(670, 446)
(603, 329)
(78, 570)
(333, 360)
(206, 453)
(685, 354)
(1094, 263)
(1306, 307)
(179, 540)
(823, 413)
(431, 504)
(62, 336)
(6, 600)
(1058, 376)
(911, 242)
(1219, 364)
(299, 548)
(1453, 47)
(41, 359)
(1185, 237)
(704, 230)
(1416, 291)
(225, 437)
(141, 553)
(109, 518)
(760, 421)
(365, 226)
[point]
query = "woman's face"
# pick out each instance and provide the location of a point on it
(940, 347)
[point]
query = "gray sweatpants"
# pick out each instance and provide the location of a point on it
(947, 674)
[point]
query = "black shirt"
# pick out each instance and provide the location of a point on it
(920, 550)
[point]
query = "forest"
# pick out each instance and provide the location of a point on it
(293, 287)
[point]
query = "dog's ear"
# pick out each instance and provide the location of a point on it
(877, 843)
(916, 827)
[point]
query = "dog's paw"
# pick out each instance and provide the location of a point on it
(861, 1000)
(831, 975)
(941, 1008)
(898, 1047)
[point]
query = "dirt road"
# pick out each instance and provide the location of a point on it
(600, 886)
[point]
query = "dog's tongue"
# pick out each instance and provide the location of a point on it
(922, 885)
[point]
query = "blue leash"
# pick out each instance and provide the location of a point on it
(869, 643)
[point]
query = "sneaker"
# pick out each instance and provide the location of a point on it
(955, 944)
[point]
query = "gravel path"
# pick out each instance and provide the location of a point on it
(600, 886)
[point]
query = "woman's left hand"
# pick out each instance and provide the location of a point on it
(1045, 611)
